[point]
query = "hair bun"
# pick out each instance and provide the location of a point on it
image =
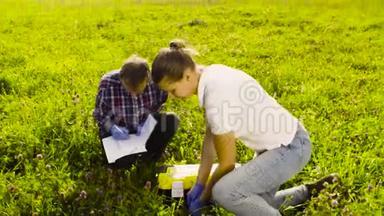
(177, 44)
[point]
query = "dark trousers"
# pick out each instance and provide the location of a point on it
(163, 132)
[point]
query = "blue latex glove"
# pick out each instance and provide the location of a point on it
(194, 193)
(195, 207)
(139, 130)
(119, 133)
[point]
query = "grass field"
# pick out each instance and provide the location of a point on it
(322, 60)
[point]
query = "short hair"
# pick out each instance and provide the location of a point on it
(134, 71)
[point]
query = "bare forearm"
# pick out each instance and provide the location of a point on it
(207, 158)
(226, 152)
(204, 170)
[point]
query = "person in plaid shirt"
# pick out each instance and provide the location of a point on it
(125, 99)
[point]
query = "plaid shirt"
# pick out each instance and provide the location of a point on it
(115, 104)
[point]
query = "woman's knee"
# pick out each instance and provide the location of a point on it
(221, 192)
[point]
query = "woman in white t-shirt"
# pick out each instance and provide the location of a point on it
(237, 107)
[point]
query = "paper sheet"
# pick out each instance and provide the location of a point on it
(115, 149)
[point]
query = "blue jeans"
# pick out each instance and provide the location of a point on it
(252, 188)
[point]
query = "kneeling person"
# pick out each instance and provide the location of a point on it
(125, 99)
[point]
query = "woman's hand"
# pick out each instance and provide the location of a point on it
(195, 207)
(225, 148)
(195, 193)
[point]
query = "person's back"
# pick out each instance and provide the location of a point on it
(235, 101)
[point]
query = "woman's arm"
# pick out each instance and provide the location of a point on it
(226, 151)
(207, 157)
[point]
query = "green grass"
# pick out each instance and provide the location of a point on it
(323, 60)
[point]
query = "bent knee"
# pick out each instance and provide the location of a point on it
(172, 117)
(221, 193)
(172, 121)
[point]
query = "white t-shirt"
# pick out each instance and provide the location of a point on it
(235, 102)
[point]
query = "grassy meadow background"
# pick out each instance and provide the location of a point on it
(322, 60)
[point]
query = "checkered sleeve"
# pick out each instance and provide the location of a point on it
(103, 111)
